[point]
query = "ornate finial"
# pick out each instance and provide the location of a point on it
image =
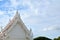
(17, 15)
(30, 30)
(17, 11)
(31, 34)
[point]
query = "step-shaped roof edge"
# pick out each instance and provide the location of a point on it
(17, 15)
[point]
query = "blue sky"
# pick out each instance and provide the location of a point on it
(42, 16)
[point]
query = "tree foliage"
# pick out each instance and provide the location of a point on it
(42, 38)
(57, 38)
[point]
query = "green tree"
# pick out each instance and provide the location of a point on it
(57, 38)
(42, 38)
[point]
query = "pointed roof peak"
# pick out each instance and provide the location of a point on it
(15, 18)
(17, 14)
(17, 11)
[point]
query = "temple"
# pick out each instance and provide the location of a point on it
(16, 30)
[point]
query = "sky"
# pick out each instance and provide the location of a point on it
(42, 16)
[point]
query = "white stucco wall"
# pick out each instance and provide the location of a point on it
(16, 33)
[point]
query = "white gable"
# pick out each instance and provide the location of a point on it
(16, 30)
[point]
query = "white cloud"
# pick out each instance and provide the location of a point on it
(25, 15)
(33, 6)
(14, 3)
(4, 20)
(51, 28)
(48, 29)
(1, 12)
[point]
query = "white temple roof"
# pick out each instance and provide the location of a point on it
(17, 16)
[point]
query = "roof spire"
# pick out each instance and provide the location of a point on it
(17, 11)
(17, 14)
